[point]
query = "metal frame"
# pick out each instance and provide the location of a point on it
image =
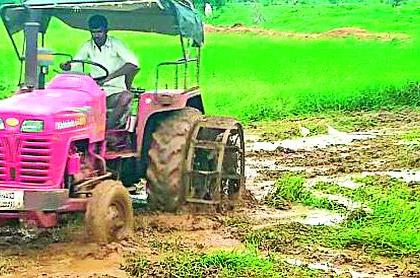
(183, 61)
(221, 147)
(177, 64)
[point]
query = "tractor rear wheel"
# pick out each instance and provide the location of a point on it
(167, 154)
(109, 213)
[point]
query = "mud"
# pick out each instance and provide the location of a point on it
(65, 252)
(375, 155)
(321, 158)
(344, 32)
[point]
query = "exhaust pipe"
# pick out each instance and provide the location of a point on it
(31, 51)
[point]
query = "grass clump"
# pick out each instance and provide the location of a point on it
(215, 264)
(284, 238)
(391, 227)
(330, 188)
(412, 135)
(291, 188)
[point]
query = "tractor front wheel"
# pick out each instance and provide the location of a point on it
(109, 213)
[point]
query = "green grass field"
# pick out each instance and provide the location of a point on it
(321, 16)
(256, 77)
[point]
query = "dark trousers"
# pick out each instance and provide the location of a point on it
(118, 107)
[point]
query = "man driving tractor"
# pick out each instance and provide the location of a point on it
(120, 62)
(55, 154)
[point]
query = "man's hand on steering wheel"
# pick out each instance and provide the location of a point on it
(66, 66)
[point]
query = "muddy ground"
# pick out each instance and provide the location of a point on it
(334, 148)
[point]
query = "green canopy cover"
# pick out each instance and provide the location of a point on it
(158, 16)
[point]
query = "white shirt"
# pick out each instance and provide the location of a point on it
(112, 55)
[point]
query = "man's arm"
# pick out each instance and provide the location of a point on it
(82, 54)
(129, 70)
(130, 67)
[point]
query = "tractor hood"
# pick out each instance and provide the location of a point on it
(45, 102)
(65, 93)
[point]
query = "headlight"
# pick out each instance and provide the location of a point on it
(2, 124)
(32, 126)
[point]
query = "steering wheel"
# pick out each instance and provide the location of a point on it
(83, 62)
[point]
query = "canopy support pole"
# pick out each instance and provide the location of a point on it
(198, 65)
(31, 50)
(184, 53)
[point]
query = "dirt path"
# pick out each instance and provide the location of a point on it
(344, 32)
(64, 252)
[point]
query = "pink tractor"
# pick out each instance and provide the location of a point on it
(55, 152)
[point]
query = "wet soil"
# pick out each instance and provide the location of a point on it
(65, 252)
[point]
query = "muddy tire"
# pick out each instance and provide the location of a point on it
(167, 154)
(109, 213)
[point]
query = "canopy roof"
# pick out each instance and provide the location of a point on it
(171, 17)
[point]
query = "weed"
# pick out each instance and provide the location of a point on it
(136, 266)
(332, 188)
(235, 221)
(412, 135)
(284, 237)
(215, 264)
(290, 188)
(410, 154)
(392, 228)
(175, 245)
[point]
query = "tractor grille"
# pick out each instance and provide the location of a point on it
(25, 160)
(35, 155)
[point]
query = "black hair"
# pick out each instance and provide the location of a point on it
(98, 22)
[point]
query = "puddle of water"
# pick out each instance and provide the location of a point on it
(342, 200)
(348, 184)
(343, 181)
(264, 146)
(253, 165)
(325, 266)
(409, 143)
(334, 137)
(260, 189)
(322, 217)
(297, 213)
(250, 172)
